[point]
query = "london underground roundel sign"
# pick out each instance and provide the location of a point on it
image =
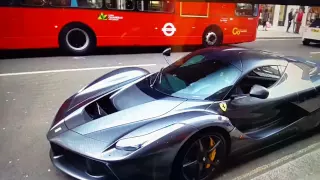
(169, 29)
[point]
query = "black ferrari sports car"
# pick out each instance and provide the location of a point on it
(182, 122)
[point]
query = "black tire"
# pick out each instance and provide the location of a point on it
(178, 170)
(212, 37)
(77, 39)
(306, 42)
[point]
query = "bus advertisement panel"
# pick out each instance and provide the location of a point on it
(78, 26)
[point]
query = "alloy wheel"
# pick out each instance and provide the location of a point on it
(202, 158)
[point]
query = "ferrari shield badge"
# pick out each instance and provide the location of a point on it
(223, 106)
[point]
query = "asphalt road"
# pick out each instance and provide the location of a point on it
(33, 85)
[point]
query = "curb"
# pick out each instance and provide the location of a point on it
(279, 37)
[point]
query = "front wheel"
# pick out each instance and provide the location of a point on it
(200, 157)
(212, 37)
(77, 40)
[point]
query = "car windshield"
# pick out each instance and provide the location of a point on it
(198, 76)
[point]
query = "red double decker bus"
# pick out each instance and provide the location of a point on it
(78, 26)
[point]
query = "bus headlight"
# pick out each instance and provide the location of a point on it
(135, 143)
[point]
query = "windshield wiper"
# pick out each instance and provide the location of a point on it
(159, 74)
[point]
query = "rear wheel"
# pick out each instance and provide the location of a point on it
(212, 37)
(305, 42)
(77, 39)
(200, 157)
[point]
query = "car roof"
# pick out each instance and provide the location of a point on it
(245, 59)
(252, 59)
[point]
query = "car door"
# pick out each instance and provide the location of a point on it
(250, 114)
(308, 101)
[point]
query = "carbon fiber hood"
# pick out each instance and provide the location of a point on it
(112, 127)
(104, 84)
(132, 108)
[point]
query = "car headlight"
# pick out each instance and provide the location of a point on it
(135, 143)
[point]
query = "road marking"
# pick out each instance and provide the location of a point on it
(276, 163)
(73, 70)
(314, 52)
(277, 39)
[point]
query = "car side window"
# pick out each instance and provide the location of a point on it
(194, 60)
(266, 72)
(265, 76)
(282, 69)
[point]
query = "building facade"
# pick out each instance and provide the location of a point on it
(278, 14)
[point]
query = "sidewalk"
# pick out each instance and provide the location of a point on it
(278, 33)
(304, 167)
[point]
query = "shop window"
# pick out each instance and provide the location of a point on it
(33, 2)
(245, 9)
(155, 5)
(120, 4)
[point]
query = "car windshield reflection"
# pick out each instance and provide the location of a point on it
(210, 78)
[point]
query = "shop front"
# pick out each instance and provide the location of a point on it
(312, 14)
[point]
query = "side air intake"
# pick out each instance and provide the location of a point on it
(101, 107)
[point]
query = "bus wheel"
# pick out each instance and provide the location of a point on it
(212, 37)
(77, 40)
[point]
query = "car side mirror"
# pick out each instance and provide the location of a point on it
(259, 92)
(167, 52)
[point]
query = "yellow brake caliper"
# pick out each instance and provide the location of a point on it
(212, 155)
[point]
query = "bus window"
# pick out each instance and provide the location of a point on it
(120, 4)
(33, 2)
(245, 9)
(60, 3)
(6, 2)
(77, 3)
(156, 5)
(90, 3)
(256, 10)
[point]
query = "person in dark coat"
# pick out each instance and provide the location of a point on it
(265, 18)
(290, 18)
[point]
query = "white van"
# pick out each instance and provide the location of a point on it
(312, 33)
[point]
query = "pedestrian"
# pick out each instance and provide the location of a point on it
(295, 20)
(299, 21)
(290, 19)
(265, 18)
